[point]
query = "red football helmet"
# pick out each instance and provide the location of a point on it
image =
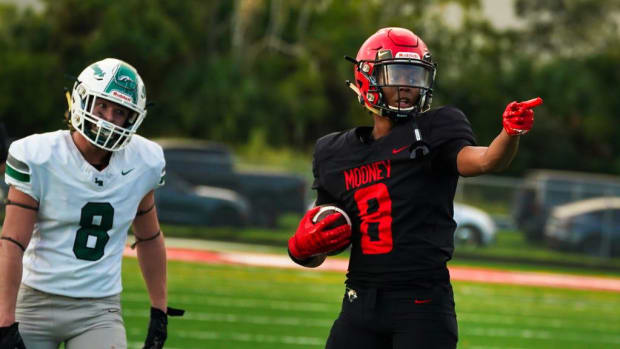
(394, 57)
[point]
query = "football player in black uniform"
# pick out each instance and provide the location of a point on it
(397, 182)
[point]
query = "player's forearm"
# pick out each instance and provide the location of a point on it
(500, 152)
(10, 279)
(152, 259)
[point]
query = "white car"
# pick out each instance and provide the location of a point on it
(474, 227)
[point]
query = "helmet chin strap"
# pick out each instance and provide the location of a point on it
(418, 149)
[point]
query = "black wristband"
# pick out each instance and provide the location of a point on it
(7, 329)
(138, 240)
(8, 202)
(141, 213)
(159, 314)
(10, 337)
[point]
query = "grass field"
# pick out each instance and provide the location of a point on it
(510, 246)
(253, 307)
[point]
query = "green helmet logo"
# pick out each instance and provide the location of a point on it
(99, 74)
(124, 84)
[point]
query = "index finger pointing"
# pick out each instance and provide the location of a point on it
(531, 103)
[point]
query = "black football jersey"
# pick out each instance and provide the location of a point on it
(401, 208)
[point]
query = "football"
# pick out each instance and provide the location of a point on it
(327, 210)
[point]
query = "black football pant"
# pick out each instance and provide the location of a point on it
(403, 319)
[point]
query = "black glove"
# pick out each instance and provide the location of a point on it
(158, 327)
(10, 338)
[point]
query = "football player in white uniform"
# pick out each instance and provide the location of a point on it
(73, 196)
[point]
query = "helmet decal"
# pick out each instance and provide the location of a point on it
(412, 55)
(124, 85)
(97, 72)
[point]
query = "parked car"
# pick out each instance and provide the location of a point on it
(178, 202)
(591, 226)
(269, 193)
(542, 190)
(474, 227)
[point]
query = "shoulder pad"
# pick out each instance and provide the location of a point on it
(325, 145)
(150, 152)
(449, 123)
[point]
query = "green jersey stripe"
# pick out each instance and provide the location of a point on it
(17, 165)
(11, 172)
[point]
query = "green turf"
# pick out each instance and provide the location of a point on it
(251, 307)
(510, 246)
(510, 250)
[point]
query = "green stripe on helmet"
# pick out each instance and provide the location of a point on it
(124, 84)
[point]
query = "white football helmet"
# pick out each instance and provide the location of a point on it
(115, 81)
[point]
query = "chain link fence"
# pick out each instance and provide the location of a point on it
(565, 210)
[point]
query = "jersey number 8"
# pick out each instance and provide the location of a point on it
(375, 207)
(96, 219)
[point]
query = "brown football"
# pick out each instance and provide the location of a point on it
(327, 210)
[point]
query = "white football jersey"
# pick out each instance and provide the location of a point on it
(84, 214)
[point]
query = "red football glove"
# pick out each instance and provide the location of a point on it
(518, 117)
(314, 239)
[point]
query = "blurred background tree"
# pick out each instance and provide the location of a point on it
(273, 70)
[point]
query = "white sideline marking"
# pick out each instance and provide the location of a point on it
(533, 332)
(238, 337)
(248, 319)
(242, 303)
(531, 321)
(539, 335)
(520, 333)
